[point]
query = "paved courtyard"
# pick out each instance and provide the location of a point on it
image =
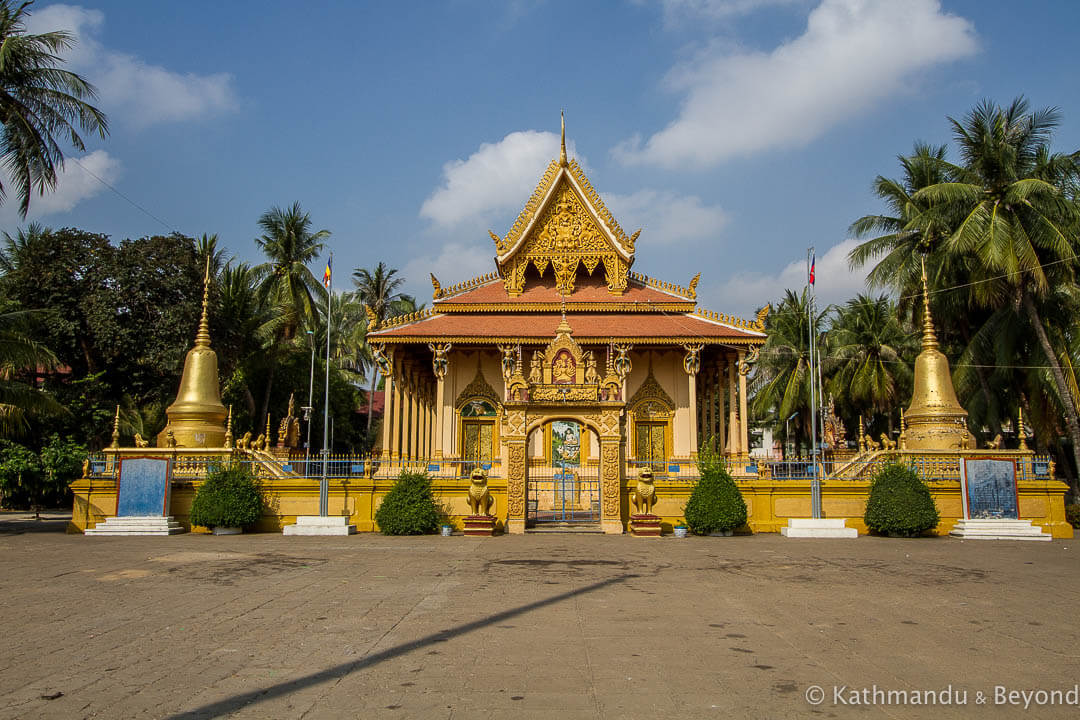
(553, 626)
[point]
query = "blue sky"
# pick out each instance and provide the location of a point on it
(734, 132)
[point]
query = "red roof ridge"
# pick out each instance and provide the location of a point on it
(689, 292)
(732, 321)
(441, 293)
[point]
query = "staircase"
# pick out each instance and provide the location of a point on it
(137, 525)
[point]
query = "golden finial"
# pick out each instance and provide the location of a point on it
(562, 147)
(1020, 431)
(116, 430)
(267, 429)
(202, 338)
(929, 338)
(862, 438)
(228, 430)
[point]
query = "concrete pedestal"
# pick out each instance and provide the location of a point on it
(998, 530)
(822, 528)
(137, 525)
(645, 525)
(317, 525)
(479, 525)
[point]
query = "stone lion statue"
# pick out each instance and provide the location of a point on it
(480, 499)
(140, 441)
(886, 443)
(644, 496)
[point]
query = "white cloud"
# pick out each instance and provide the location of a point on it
(452, 263)
(129, 89)
(852, 55)
(73, 185)
(743, 293)
(666, 218)
(497, 177)
(680, 11)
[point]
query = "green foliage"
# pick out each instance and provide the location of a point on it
(715, 505)
(900, 503)
(409, 508)
(61, 463)
(229, 497)
(38, 480)
(1072, 514)
(20, 474)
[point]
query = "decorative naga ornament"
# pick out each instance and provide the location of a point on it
(197, 417)
(935, 419)
(564, 226)
(379, 357)
(692, 360)
(439, 361)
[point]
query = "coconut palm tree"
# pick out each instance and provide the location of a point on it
(782, 381)
(21, 359)
(285, 283)
(41, 105)
(869, 355)
(1017, 224)
(379, 290)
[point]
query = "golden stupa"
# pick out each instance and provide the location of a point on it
(935, 419)
(197, 418)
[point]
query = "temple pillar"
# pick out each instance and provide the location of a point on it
(611, 484)
(440, 415)
(388, 414)
(422, 425)
(691, 393)
(515, 486)
(733, 419)
(399, 399)
(413, 415)
(720, 419)
(744, 419)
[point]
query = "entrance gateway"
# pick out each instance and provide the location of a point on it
(566, 487)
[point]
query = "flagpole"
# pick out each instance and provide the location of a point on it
(815, 481)
(324, 493)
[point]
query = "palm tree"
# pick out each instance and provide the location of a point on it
(285, 283)
(21, 354)
(783, 370)
(869, 355)
(1017, 222)
(40, 104)
(379, 290)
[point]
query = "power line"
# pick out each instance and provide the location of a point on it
(122, 195)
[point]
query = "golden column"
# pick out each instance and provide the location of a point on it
(733, 413)
(197, 417)
(744, 419)
(935, 419)
(399, 397)
(389, 409)
(720, 419)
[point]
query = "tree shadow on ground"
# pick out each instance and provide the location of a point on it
(21, 523)
(236, 702)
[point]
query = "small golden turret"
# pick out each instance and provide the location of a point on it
(562, 143)
(1021, 431)
(935, 420)
(197, 418)
(116, 430)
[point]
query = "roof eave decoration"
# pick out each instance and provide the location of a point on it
(564, 224)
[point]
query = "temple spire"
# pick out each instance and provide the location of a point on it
(929, 337)
(562, 146)
(202, 337)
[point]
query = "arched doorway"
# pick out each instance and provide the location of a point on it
(562, 478)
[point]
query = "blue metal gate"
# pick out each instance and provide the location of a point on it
(562, 493)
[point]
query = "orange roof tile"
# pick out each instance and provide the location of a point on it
(487, 327)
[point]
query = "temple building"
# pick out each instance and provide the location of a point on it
(563, 366)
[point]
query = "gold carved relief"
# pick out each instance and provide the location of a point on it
(515, 481)
(609, 474)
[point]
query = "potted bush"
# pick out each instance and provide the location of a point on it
(900, 504)
(228, 500)
(715, 505)
(409, 508)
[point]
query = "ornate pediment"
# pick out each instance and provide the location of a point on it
(564, 372)
(478, 388)
(651, 400)
(564, 226)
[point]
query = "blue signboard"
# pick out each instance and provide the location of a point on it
(990, 489)
(143, 486)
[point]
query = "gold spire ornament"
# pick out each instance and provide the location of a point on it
(197, 417)
(1020, 431)
(935, 419)
(116, 430)
(228, 430)
(562, 142)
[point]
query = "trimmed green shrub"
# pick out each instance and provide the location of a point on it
(715, 505)
(900, 503)
(409, 508)
(229, 497)
(1072, 514)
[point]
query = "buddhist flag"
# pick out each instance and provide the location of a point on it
(813, 261)
(326, 275)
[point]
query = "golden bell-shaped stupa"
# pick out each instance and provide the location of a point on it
(935, 420)
(197, 417)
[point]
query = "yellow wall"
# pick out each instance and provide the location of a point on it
(770, 502)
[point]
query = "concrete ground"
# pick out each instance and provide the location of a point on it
(554, 626)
